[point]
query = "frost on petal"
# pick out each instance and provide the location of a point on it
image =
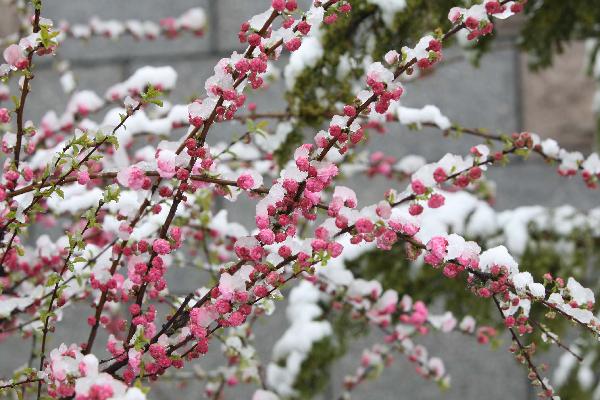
(420, 50)
(9, 140)
(163, 78)
(445, 322)
(457, 246)
(379, 73)
(498, 256)
(14, 55)
(477, 11)
(522, 280)
(570, 160)
(228, 284)
(314, 15)
(202, 109)
(392, 57)
(481, 151)
(467, 324)
(166, 163)
(579, 294)
(257, 21)
(507, 12)
(592, 164)
(584, 316)
(131, 177)
(346, 195)
(455, 13)
(428, 114)
(292, 172)
(550, 148)
(556, 299)
(84, 102)
(193, 19)
(537, 289)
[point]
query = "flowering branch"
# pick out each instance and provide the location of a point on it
(25, 88)
(148, 207)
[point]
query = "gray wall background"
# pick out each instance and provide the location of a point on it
(491, 96)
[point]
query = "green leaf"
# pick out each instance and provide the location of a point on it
(15, 101)
(53, 279)
(523, 152)
(111, 193)
(152, 95)
(250, 125)
(114, 141)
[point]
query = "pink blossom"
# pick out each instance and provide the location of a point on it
(493, 7)
(4, 115)
(349, 111)
(293, 44)
(83, 177)
(454, 14)
(386, 240)
(439, 175)
(436, 250)
(245, 182)
(202, 316)
(236, 319)
(165, 162)
(418, 187)
(364, 225)
(131, 177)
(249, 179)
(436, 200)
(516, 7)
(266, 236)
(415, 209)
(161, 246)
(15, 56)
(335, 249)
(304, 27)
(330, 19)
(278, 5)
(346, 195)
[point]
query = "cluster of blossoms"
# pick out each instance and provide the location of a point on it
(313, 171)
(193, 20)
(72, 374)
(570, 163)
(140, 210)
(372, 362)
(160, 78)
(402, 320)
(477, 18)
(18, 56)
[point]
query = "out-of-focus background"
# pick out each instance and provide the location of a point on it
(502, 94)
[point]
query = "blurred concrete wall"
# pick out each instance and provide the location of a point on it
(491, 97)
